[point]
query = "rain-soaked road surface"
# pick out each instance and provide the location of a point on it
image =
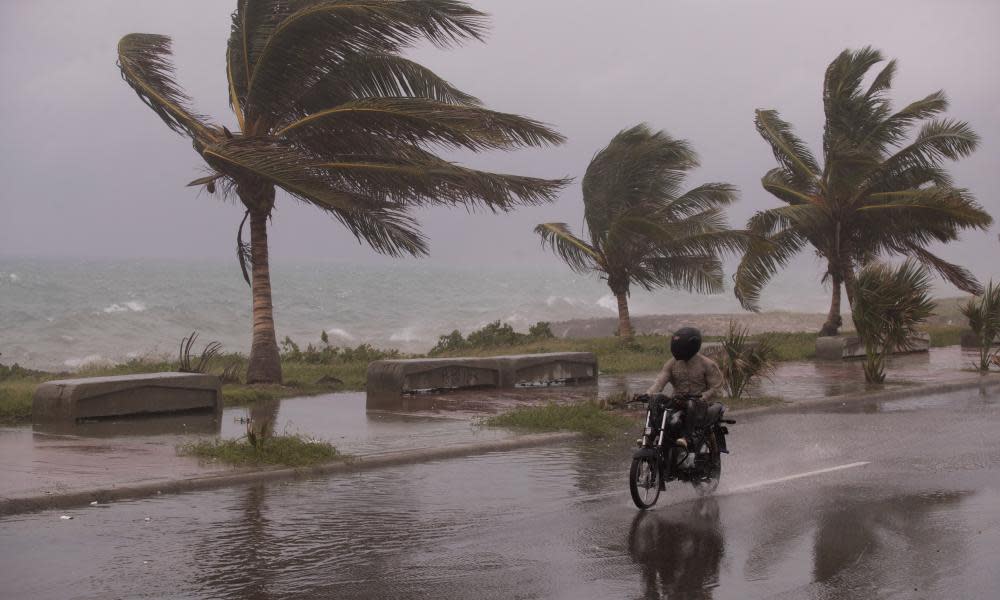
(899, 500)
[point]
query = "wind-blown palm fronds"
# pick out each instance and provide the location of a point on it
(889, 304)
(331, 113)
(983, 314)
(643, 230)
(877, 193)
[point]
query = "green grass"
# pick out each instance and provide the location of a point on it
(285, 450)
(585, 418)
(944, 335)
(644, 353)
(15, 400)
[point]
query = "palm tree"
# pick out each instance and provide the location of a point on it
(880, 192)
(889, 304)
(331, 113)
(643, 230)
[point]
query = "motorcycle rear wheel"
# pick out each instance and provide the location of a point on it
(644, 481)
(710, 481)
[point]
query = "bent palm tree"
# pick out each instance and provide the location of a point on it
(330, 112)
(643, 230)
(878, 193)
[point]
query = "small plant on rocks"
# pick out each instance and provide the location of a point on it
(983, 313)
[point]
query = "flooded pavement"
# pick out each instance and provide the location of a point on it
(47, 461)
(898, 499)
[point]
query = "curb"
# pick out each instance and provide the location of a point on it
(11, 506)
(913, 392)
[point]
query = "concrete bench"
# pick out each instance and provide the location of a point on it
(840, 347)
(124, 395)
(388, 380)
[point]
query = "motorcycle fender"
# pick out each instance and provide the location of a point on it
(645, 453)
(720, 439)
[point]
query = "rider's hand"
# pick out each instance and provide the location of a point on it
(641, 397)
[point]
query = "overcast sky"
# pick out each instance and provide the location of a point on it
(87, 170)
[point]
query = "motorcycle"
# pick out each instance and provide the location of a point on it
(683, 440)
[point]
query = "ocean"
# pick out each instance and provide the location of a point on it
(63, 314)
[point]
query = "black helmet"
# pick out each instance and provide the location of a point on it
(685, 343)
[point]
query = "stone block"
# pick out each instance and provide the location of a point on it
(126, 395)
(841, 346)
(971, 340)
(388, 380)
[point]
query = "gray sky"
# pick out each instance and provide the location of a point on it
(88, 170)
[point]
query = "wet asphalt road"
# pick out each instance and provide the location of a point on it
(893, 500)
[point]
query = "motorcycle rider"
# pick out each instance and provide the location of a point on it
(690, 373)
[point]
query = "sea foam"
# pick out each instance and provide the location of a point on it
(132, 305)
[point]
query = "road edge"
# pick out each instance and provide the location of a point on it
(26, 504)
(12, 506)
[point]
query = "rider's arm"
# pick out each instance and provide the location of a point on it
(662, 379)
(713, 379)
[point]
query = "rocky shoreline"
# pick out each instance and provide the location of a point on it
(710, 324)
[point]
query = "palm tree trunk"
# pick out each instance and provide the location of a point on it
(625, 330)
(265, 364)
(833, 318)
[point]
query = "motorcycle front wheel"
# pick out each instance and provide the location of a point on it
(644, 481)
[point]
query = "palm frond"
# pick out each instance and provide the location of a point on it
(639, 167)
(790, 151)
(144, 61)
(783, 186)
(383, 224)
(764, 257)
(422, 121)
(376, 75)
(693, 273)
(434, 181)
(954, 274)
(703, 197)
(331, 30)
(893, 129)
(935, 204)
(937, 140)
(578, 254)
(806, 218)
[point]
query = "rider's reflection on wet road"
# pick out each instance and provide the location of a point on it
(678, 552)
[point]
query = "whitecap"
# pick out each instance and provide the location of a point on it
(90, 359)
(132, 305)
(14, 277)
(609, 302)
(338, 332)
(407, 334)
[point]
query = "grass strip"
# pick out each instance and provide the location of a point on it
(286, 450)
(585, 418)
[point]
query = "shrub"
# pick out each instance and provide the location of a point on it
(888, 306)
(983, 313)
(743, 360)
(493, 335)
(185, 360)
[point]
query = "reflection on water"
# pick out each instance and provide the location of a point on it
(678, 551)
(849, 536)
(151, 425)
